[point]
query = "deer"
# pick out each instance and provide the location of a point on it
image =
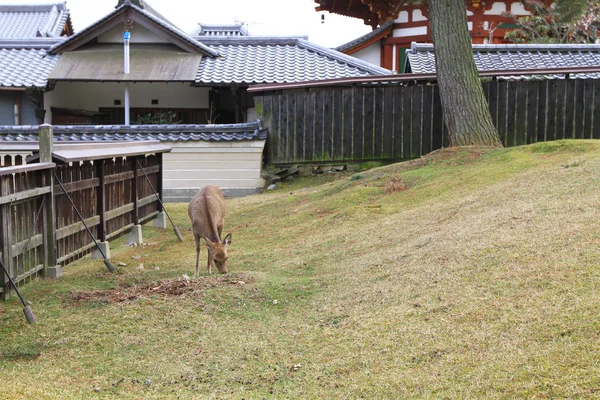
(207, 213)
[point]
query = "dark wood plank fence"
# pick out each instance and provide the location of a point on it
(389, 122)
(23, 242)
(111, 194)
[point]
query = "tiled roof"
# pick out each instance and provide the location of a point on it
(220, 30)
(498, 57)
(32, 21)
(253, 59)
(25, 65)
(366, 38)
(164, 133)
(165, 25)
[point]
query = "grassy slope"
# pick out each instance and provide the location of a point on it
(479, 280)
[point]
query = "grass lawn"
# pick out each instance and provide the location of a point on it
(470, 273)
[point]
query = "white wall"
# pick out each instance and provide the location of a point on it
(371, 54)
(93, 95)
(139, 34)
(233, 166)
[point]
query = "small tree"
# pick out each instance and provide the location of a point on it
(157, 118)
(567, 21)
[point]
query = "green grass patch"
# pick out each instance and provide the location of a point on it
(478, 278)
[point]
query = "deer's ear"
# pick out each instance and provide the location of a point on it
(209, 244)
(227, 240)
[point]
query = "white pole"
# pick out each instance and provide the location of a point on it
(127, 121)
(126, 36)
(394, 69)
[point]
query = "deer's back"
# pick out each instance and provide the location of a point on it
(207, 212)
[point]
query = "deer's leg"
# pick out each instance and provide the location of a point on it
(209, 264)
(197, 239)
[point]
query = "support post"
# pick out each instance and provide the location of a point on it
(135, 235)
(100, 202)
(127, 117)
(6, 244)
(134, 192)
(126, 37)
(161, 218)
(46, 141)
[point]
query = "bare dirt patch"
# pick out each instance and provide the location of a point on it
(182, 287)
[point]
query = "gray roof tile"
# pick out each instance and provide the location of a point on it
(254, 59)
(515, 56)
(165, 133)
(31, 21)
(25, 67)
(365, 38)
(165, 25)
(220, 30)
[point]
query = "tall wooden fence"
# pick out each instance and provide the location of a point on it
(112, 195)
(24, 243)
(389, 122)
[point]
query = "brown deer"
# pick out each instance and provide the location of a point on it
(207, 212)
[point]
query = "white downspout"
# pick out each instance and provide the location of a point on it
(126, 37)
(394, 69)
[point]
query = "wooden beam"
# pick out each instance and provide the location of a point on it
(76, 227)
(24, 195)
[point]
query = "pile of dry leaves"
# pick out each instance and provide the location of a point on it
(180, 287)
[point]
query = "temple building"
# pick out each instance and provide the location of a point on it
(395, 29)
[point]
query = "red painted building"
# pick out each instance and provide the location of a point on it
(395, 28)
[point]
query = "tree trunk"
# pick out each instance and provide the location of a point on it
(465, 108)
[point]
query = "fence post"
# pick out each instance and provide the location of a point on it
(46, 142)
(7, 234)
(101, 207)
(134, 192)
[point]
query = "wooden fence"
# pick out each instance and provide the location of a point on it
(112, 194)
(24, 190)
(389, 122)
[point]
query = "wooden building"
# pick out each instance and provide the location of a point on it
(395, 29)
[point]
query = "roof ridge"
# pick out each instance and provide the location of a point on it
(228, 40)
(366, 37)
(30, 43)
(416, 47)
(173, 29)
(61, 6)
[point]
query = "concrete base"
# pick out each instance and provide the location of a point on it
(54, 272)
(160, 221)
(135, 235)
(105, 246)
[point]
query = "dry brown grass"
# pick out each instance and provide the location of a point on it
(479, 280)
(394, 185)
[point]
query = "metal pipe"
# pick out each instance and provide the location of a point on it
(26, 309)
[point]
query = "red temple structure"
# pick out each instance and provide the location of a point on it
(396, 27)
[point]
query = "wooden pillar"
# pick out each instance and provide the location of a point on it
(100, 201)
(7, 235)
(159, 179)
(46, 142)
(134, 192)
